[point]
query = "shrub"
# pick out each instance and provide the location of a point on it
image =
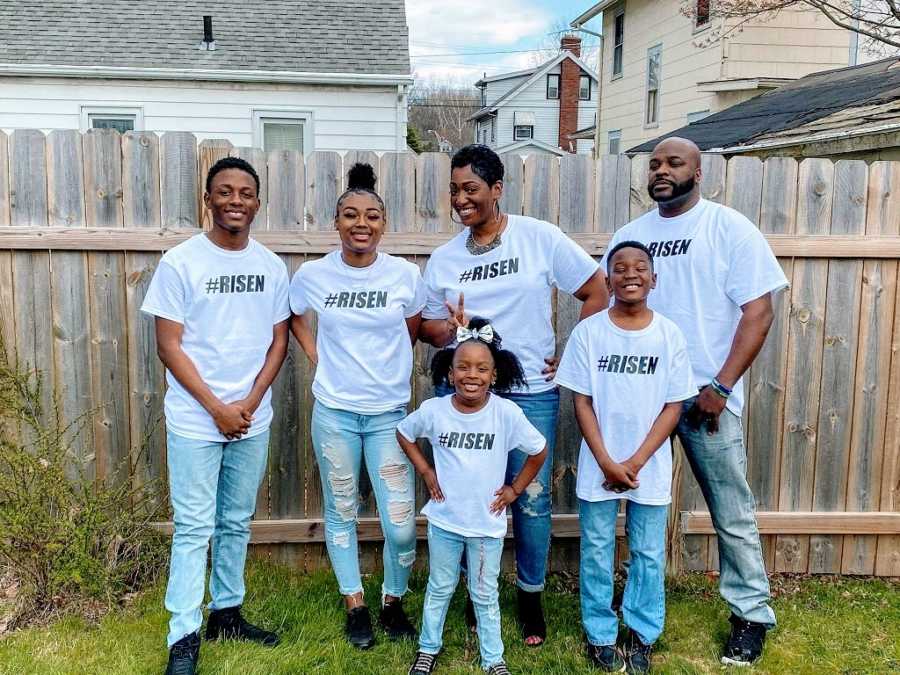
(72, 542)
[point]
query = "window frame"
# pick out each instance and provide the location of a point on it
(262, 116)
(698, 26)
(558, 77)
(590, 87)
(516, 136)
(618, 46)
(655, 50)
(614, 135)
(89, 112)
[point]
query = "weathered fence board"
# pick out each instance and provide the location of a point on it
(823, 430)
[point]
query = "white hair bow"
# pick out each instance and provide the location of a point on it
(485, 334)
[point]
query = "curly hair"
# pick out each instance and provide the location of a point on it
(509, 370)
(485, 163)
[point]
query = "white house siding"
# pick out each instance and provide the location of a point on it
(500, 87)
(344, 117)
(546, 112)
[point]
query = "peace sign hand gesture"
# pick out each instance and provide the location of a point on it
(457, 317)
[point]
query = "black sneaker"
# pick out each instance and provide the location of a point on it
(183, 655)
(606, 658)
(395, 622)
(423, 664)
(746, 642)
(359, 628)
(229, 624)
(637, 655)
(498, 669)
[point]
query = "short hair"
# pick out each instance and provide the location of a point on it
(485, 162)
(231, 163)
(627, 244)
(361, 180)
(509, 369)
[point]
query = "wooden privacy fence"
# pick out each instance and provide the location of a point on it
(84, 219)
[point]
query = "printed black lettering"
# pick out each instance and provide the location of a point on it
(476, 274)
(513, 266)
(260, 285)
(469, 442)
(381, 300)
(240, 284)
(651, 364)
(343, 299)
(684, 246)
(643, 369)
(488, 441)
(632, 364)
(454, 439)
(666, 249)
(249, 283)
(652, 248)
(494, 270)
(614, 363)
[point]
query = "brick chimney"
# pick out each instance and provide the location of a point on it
(569, 81)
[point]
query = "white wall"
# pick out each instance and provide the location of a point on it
(344, 117)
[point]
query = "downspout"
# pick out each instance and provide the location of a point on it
(402, 105)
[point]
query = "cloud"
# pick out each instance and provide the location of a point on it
(444, 29)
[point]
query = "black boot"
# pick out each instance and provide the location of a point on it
(183, 655)
(531, 616)
(228, 624)
(395, 622)
(359, 628)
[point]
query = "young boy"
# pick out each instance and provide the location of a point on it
(629, 370)
(220, 302)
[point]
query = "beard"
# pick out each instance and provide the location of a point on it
(680, 191)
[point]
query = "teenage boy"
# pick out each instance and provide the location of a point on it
(719, 276)
(220, 301)
(629, 371)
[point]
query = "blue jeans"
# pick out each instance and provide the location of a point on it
(644, 602)
(213, 490)
(719, 463)
(341, 438)
(531, 511)
(483, 554)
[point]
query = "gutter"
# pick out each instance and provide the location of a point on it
(210, 75)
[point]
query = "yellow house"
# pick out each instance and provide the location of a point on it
(661, 69)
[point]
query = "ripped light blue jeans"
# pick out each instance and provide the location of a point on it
(341, 438)
(531, 511)
(445, 549)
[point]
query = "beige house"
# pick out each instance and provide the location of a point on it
(661, 69)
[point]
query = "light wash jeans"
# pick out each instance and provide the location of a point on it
(341, 438)
(644, 602)
(445, 549)
(213, 490)
(719, 463)
(531, 511)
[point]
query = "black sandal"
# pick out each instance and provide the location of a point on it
(531, 616)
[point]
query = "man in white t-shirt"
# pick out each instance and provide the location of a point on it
(716, 277)
(220, 302)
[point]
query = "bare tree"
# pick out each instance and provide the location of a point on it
(439, 112)
(550, 45)
(876, 21)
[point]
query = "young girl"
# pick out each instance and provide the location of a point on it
(368, 304)
(471, 432)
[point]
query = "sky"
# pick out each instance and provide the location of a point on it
(449, 39)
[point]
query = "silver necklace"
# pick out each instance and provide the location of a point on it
(475, 248)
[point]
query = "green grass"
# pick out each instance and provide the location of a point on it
(825, 626)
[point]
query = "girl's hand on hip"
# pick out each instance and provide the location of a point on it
(434, 488)
(550, 370)
(504, 497)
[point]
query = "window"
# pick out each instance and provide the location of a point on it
(483, 96)
(654, 63)
(493, 130)
(120, 118)
(522, 132)
(697, 116)
(584, 88)
(282, 130)
(615, 141)
(701, 18)
(618, 42)
(553, 86)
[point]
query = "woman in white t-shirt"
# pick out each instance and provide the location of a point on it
(369, 307)
(505, 266)
(471, 431)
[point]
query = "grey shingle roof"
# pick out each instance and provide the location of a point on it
(339, 36)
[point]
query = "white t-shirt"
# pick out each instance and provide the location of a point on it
(630, 375)
(227, 302)
(470, 453)
(708, 261)
(511, 286)
(365, 354)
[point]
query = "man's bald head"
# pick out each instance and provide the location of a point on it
(673, 177)
(681, 147)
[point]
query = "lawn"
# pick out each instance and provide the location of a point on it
(826, 626)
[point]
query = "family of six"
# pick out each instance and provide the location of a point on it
(642, 368)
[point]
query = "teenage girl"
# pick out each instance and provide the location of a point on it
(369, 306)
(471, 431)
